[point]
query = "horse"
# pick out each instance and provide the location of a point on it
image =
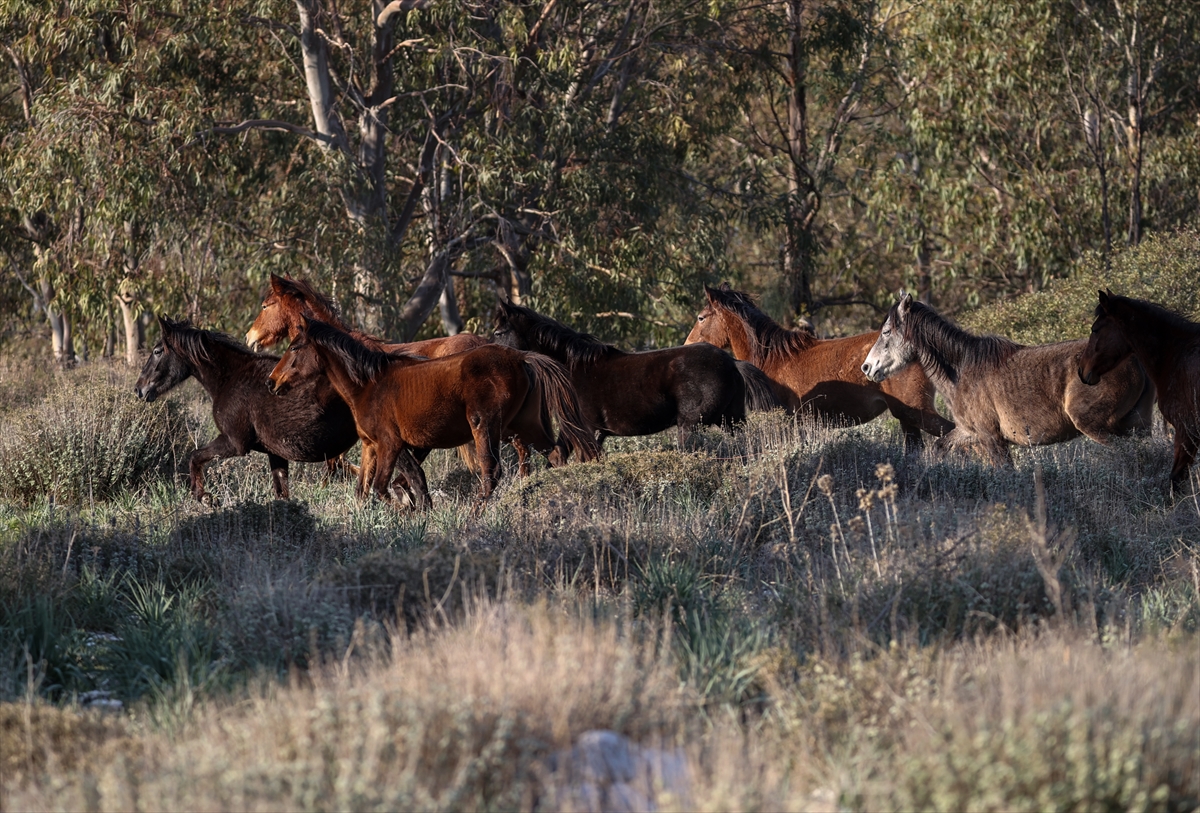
(404, 403)
(645, 392)
(816, 375)
(1168, 347)
(1001, 392)
(310, 425)
(289, 301)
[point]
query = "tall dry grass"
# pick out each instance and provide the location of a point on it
(817, 620)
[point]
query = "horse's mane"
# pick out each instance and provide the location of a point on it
(362, 362)
(319, 306)
(939, 335)
(552, 337)
(767, 337)
(196, 346)
(1170, 319)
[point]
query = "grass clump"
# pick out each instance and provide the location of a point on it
(88, 441)
(648, 474)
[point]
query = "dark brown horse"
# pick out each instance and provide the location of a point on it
(403, 403)
(640, 393)
(310, 425)
(1001, 392)
(821, 375)
(1168, 346)
(290, 301)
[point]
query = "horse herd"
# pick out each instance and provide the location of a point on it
(335, 386)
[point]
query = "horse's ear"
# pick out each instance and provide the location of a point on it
(708, 292)
(1104, 295)
(905, 302)
(276, 282)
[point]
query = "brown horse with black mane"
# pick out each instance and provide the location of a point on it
(310, 425)
(1168, 346)
(403, 403)
(821, 375)
(642, 393)
(290, 301)
(1001, 392)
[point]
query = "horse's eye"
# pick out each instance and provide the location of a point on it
(699, 317)
(158, 351)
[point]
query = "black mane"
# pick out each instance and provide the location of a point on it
(1169, 318)
(196, 346)
(766, 335)
(552, 337)
(947, 345)
(362, 363)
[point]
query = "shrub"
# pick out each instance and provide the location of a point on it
(88, 441)
(1163, 269)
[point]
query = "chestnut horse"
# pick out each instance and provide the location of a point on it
(310, 425)
(1168, 346)
(402, 402)
(290, 301)
(821, 375)
(640, 393)
(1001, 392)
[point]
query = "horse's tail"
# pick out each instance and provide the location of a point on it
(759, 395)
(560, 401)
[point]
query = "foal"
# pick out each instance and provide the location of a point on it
(1001, 392)
(310, 425)
(1168, 346)
(402, 403)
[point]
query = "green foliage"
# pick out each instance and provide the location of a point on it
(89, 442)
(1163, 269)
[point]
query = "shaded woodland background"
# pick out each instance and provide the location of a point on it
(595, 160)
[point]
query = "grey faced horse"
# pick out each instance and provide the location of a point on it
(1001, 392)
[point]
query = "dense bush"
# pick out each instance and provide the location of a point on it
(87, 442)
(1163, 269)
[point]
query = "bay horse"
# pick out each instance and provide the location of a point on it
(818, 375)
(640, 393)
(310, 425)
(403, 403)
(1168, 347)
(1001, 392)
(290, 301)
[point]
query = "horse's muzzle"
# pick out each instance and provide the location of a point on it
(1090, 378)
(148, 395)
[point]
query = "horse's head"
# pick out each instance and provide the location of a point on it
(710, 325)
(1107, 346)
(290, 368)
(505, 325)
(165, 368)
(276, 321)
(892, 351)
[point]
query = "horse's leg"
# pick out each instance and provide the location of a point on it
(339, 464)
(956, 438)
(220, 447)
(561, 453)
(996, 450)
(279, 475)
(366, 470)
(410, 469)
(487, 430)
(1187, 439)
(384, 462)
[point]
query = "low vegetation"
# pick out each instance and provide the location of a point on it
(853, 627)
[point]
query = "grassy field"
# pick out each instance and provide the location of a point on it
(806, 617)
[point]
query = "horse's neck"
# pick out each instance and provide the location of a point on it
(941, 354)
(222, 366)
(339, 377)
(744, 347)
(1157, 349)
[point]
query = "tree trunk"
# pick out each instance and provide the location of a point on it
(800, 245)
(133, 331)
(425, 297)
(452, 321)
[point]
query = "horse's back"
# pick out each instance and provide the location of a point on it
(442, 346)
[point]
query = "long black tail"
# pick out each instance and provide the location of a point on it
(759, 395)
